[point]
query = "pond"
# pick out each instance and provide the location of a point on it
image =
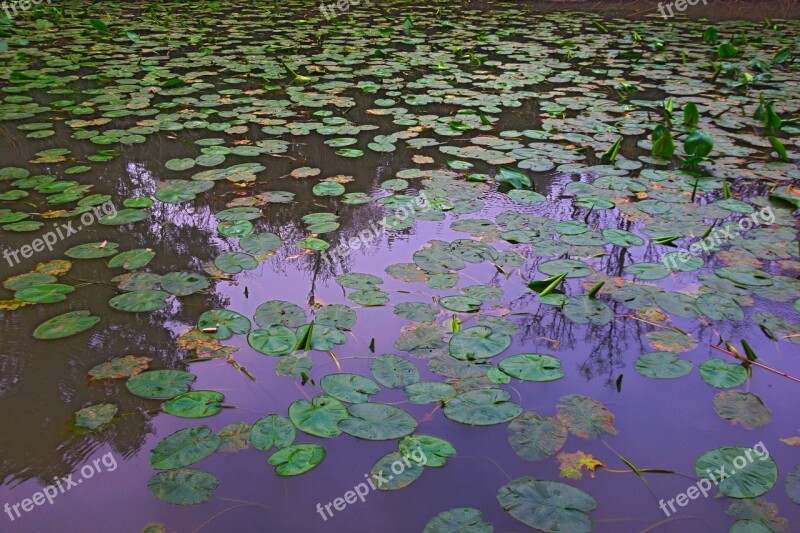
(398, 267)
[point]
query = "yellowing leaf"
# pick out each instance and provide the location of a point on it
(572, 464)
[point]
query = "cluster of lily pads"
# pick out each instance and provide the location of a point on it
(651, 152)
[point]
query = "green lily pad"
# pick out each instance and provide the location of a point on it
(195, 404)
(184, 486)
(44, 294)
(744, 408)
(132, 259)
(120, 367)
(738, 478)
(535, 438)
(723, 375)
(429, 392)
(65, 325)
(458, 519)
(350, 388)
(279, 312)
(223, 324)
(319, 417)
(93, 250)
(427, 450)
(139, 301)
(275, 340)
(479, 342)
(393, 371)
(377, 421)
(296, 459)
(532, 367)
(663, 365)
(184, 447)
(548, 505)
(272, 431)
(160, 384)
(394, 471)
(585, 417)
(482, 407)
(95, 416)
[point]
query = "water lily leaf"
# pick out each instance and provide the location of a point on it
(183, 283)
(514, 178)
(532, 367)
(792, 485)
(350, 388)
(260, 245)
(622, 238)
(586, 310)
(718, 307)
(416, 312)
(44, 294)
(139, 301)
(272, 431)
(429, 392)
(671, 341)
(184, 486)
(482, 407)
(403, 471)
(275, 340)
(92, 250)
(294, 366)
(95, 416)
(535, 438)
(65, 325)
(663, 365)
(573, 464)
(723, 375)
(184, 447)
(29, 279)
(464, 519)
(279, 312)
(371, 298)
(223, 324)
(328, 188)
(479, 342)
(195, 404)
(120, 367)
(461, 304)
(746, 276)
(648, 271)
(132, 259)
(237, 229)
(160, 384)
(745, 408)
(755, 478)
(124, 216)
(322, 338)
(360, 282)
(433, 450)
(585, 417)
(297, 459)
(319, 417)
(234, 437)
(393, 371)
(573, 269)
(377, 421)
(235, 262)
(548, 505)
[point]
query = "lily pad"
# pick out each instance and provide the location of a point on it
(736, 475)
(184, 447)
(548, 505)
(377, 421)
(296, 459)
(319, 417)
(195, 404)
(184, 486)
(160, 384)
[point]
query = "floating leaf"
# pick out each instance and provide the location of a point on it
(319, 417)
(479, 342)
(120, 367)
(535, 438)
(95, 416)
(742, 407)
(394, 371)
(350, 388)
(548, 505)
(585, 417)
(464, 519)
(377, 421)
(738, 479)
(482, 407)
(532, 367)
(722, 375)
(160, 384)
(65, 325)
(297, 459)
(183, 486)
(184, 447)
(195, 404)
(663, 365)
(272, 431)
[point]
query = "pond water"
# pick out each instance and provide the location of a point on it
(463, 232)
